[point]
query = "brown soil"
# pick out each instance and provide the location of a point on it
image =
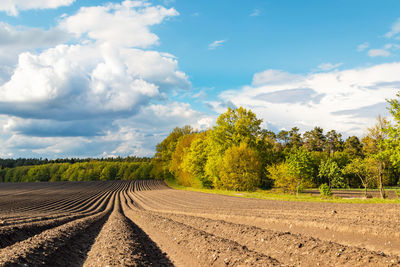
(145, 223)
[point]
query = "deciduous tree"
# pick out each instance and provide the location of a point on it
(300, 165)
(240, 168)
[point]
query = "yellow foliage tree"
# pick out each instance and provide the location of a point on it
(176, 166)
(282, 177)
(240, 169)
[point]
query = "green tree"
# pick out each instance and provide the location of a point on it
(330, 171)
(295, 138)
(392, 143)
(314, 140)
(374, 146)
(353, 147)
(283, 137)
(233, 127)
(333, 142)
(240, 168)
(109, 172)
(364, 169)
(300, 165)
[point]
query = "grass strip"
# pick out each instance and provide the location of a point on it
(275, 195)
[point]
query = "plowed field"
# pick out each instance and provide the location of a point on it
(144, 223)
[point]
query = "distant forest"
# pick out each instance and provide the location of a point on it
(75, 169)
(12, 163)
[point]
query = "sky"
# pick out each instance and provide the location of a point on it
(94, 78)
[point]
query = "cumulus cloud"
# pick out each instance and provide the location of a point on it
(347, 100)
(154, 123)
(77, 81)
(24, 38)
(126, 24)
(216, 44)
(96, 97)
(15, 40)
(12, 7)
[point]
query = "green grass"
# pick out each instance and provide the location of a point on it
(275, 195)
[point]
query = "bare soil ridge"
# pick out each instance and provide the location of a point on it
(145, 223)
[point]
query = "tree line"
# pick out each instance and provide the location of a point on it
(78, 171)
(12, 163)
(237, 154)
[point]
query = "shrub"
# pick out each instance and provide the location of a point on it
(279, 173)
(325, 190)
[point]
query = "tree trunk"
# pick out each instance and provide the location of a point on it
(365, 190)
(381, 190)
(298, 187)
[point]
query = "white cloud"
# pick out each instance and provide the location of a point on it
(256, 12)
(274, 77)
(362, 47)
(395, 29)
(216, 44)
(378, 53)
(347, 100)
(88, 81)
(329, 66)
(126, 24)
(96, 97)
(23, 38)
(15, 40)
(12, 7)
(200, 94)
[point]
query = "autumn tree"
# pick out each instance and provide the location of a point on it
(282, 177)
(196, 159)
(164, 150)
(176, 165)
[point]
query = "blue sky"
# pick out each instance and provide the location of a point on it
(84, 78)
